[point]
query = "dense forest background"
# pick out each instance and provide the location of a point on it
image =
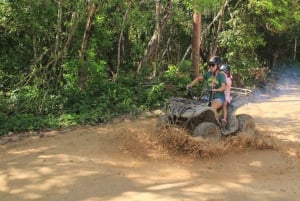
(66, 62)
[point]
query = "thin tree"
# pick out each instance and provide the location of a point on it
(82, 73)
(196, 41)
(155, 40)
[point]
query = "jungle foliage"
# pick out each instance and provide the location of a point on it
(65, 62)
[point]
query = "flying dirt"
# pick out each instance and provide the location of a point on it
(130, 159)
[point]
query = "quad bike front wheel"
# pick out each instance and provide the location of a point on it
(162, 122)
(207, 130)
(246, 124)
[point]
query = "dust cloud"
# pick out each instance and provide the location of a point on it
(282, 81)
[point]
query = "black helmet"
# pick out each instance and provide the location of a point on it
(215, 60)
(226, 68)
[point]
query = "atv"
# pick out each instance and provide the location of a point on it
(195, 115)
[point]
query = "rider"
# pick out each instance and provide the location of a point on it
(215, 82)
(227, 71)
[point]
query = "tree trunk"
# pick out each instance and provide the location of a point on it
(188, 49)
(83, 70)
(155, 39)
(219, 29)
(121, 38)
(52, 69)
(75, 19)
(196, 41)
(157, 27)
(56, 76)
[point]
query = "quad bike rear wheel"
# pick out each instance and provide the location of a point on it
(207, 130)
(246, 124)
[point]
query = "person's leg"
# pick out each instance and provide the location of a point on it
(225, 111)
(215, 105)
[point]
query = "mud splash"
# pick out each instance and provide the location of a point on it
(152, 143)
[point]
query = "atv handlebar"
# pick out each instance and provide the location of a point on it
(202, 99)
(190, 93)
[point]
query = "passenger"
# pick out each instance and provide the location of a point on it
(216, 82)
(227, 71)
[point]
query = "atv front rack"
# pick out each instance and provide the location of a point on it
(179, 106)
(187, 112)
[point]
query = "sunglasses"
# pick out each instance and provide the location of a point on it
(212, 65)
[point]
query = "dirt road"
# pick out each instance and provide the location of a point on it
(131, 160)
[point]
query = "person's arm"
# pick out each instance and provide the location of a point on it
(197, 79)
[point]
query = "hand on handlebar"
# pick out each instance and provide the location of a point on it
(211, 90)
(188, 87)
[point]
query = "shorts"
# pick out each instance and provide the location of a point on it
(220, 99)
